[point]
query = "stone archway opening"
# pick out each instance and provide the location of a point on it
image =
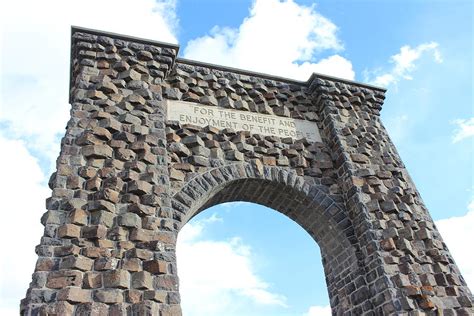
(309, 206)
(238, 258)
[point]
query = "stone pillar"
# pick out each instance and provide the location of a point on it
(109, 239)
(408, 266)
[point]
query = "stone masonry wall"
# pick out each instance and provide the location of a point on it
(127, 180)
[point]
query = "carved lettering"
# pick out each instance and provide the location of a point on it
(203, 115)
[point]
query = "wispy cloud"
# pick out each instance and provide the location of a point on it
(458, 234)
(464, 129)
(23, 195)
(224, 281)
(404, 64)
(319, 311)
(35, 58)
(299, 34)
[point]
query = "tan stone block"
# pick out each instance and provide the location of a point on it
(87, 172)
(94, 232)
(156, 266)
(105, 264)
(359, 158)
(101, 205)
(92, 280)
(74, 295)
(130, 220)
(45, 264)
(165, 237)
(134, 296)
(91, 309)
(132, 264)
(61, 251)
(141, 210)
(109, 296)
(172, 137)
(116, 279)
(139, 187)
(146, 308)
(125, 245)
(157, 296)
(143, 254)
(166, 282)
(171, 310)
(74, 182)
(124, 154)
(177, 175)
(93, 184)
(76, 262)
(102, 217)
(95, 252)
(69, 231)
(184, 167)
(142, 280)
(357, 181)
(78, 217)
(96, 95)
(269, 161)
(58, 308)
(63, 278)
(105, 243)
(97, 151)
(111, 124)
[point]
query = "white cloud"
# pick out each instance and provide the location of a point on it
(465, 129)
(278, 37)
(319, 311)
(458, 234)
(35, 57)
(23, 195)
(398, 127)
(404, 64)
(217, 277)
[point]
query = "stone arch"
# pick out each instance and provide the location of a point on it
(284, 191)
(120, 193)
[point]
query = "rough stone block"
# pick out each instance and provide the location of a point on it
(116, 279)
(91, 309)
(69, 231)
(199, 161)
(74, 295)
(156, 266)
(76, 262)
(130, 220)
(64, 278)
(92, 280)
(97, 151)
(109, 296)
(94, 232)
(142, 280)
(139, 187)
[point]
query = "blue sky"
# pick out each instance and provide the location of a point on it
(262, 262)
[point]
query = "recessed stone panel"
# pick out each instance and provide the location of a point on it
(257, 123)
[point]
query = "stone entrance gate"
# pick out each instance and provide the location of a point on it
(154, 139)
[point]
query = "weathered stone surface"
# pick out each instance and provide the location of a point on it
(109, 296)
(156, 266)
(64, 278)
(116, 279)
(142, 280)
(74, 295)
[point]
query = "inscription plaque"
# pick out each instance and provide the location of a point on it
(256, 123)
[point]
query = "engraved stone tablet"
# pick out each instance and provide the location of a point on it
(256, 123)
